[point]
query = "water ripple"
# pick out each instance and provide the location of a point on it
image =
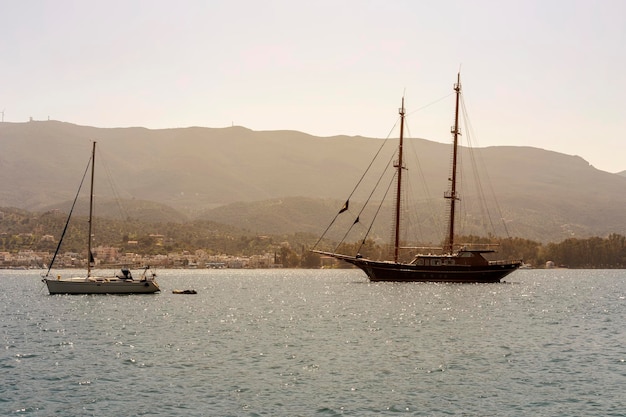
(328, 343)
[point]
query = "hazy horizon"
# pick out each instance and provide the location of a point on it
(540, 74)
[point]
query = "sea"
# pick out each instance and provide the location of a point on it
(289, 342)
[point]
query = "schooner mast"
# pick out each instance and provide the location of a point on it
(399, 166)
(451, 193)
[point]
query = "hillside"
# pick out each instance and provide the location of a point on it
(237, 176)
(189, 169)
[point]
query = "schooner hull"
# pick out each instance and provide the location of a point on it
(101, 287)
(487, 272)
(394, 272)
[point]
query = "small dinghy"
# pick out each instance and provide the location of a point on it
(184, 292)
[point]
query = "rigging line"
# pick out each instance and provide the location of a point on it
(358, 183)
(461, 188)
(67, 222)
(411, 227)
(475, 154)
(489, 182)
(390, 162)
(344, 237)
(377, 211)
(113, 186)
(373, 159)
(430, 104)
(436, 224)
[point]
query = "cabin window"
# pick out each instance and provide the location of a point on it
(435, 262)
(418, 261)
(448, 262)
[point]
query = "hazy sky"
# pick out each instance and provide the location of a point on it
(541, 73)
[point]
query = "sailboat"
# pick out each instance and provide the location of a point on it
(122, 283)
(453, 262)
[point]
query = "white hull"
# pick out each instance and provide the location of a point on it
(100, 286)
(119, 284)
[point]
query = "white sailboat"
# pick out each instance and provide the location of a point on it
(124, 283)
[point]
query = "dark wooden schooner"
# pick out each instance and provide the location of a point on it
(453, 264)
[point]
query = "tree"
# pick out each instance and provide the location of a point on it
(288, 257)
(311, 260)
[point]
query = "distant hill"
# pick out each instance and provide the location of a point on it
(189, 169)
(122, 209)
(237, 176)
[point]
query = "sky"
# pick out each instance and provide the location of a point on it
(541, 73)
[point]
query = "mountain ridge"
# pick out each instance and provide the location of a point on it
(202, 172)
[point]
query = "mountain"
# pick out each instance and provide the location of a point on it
(238, 176)
(188, 169)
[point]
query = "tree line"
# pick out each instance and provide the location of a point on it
(21, 230)
(593, 252)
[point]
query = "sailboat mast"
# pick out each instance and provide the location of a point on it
(399, 166)
(90, 221)
(451, 195)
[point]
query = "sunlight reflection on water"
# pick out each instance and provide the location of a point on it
(307, 342)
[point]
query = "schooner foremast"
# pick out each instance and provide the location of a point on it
(400, 167)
